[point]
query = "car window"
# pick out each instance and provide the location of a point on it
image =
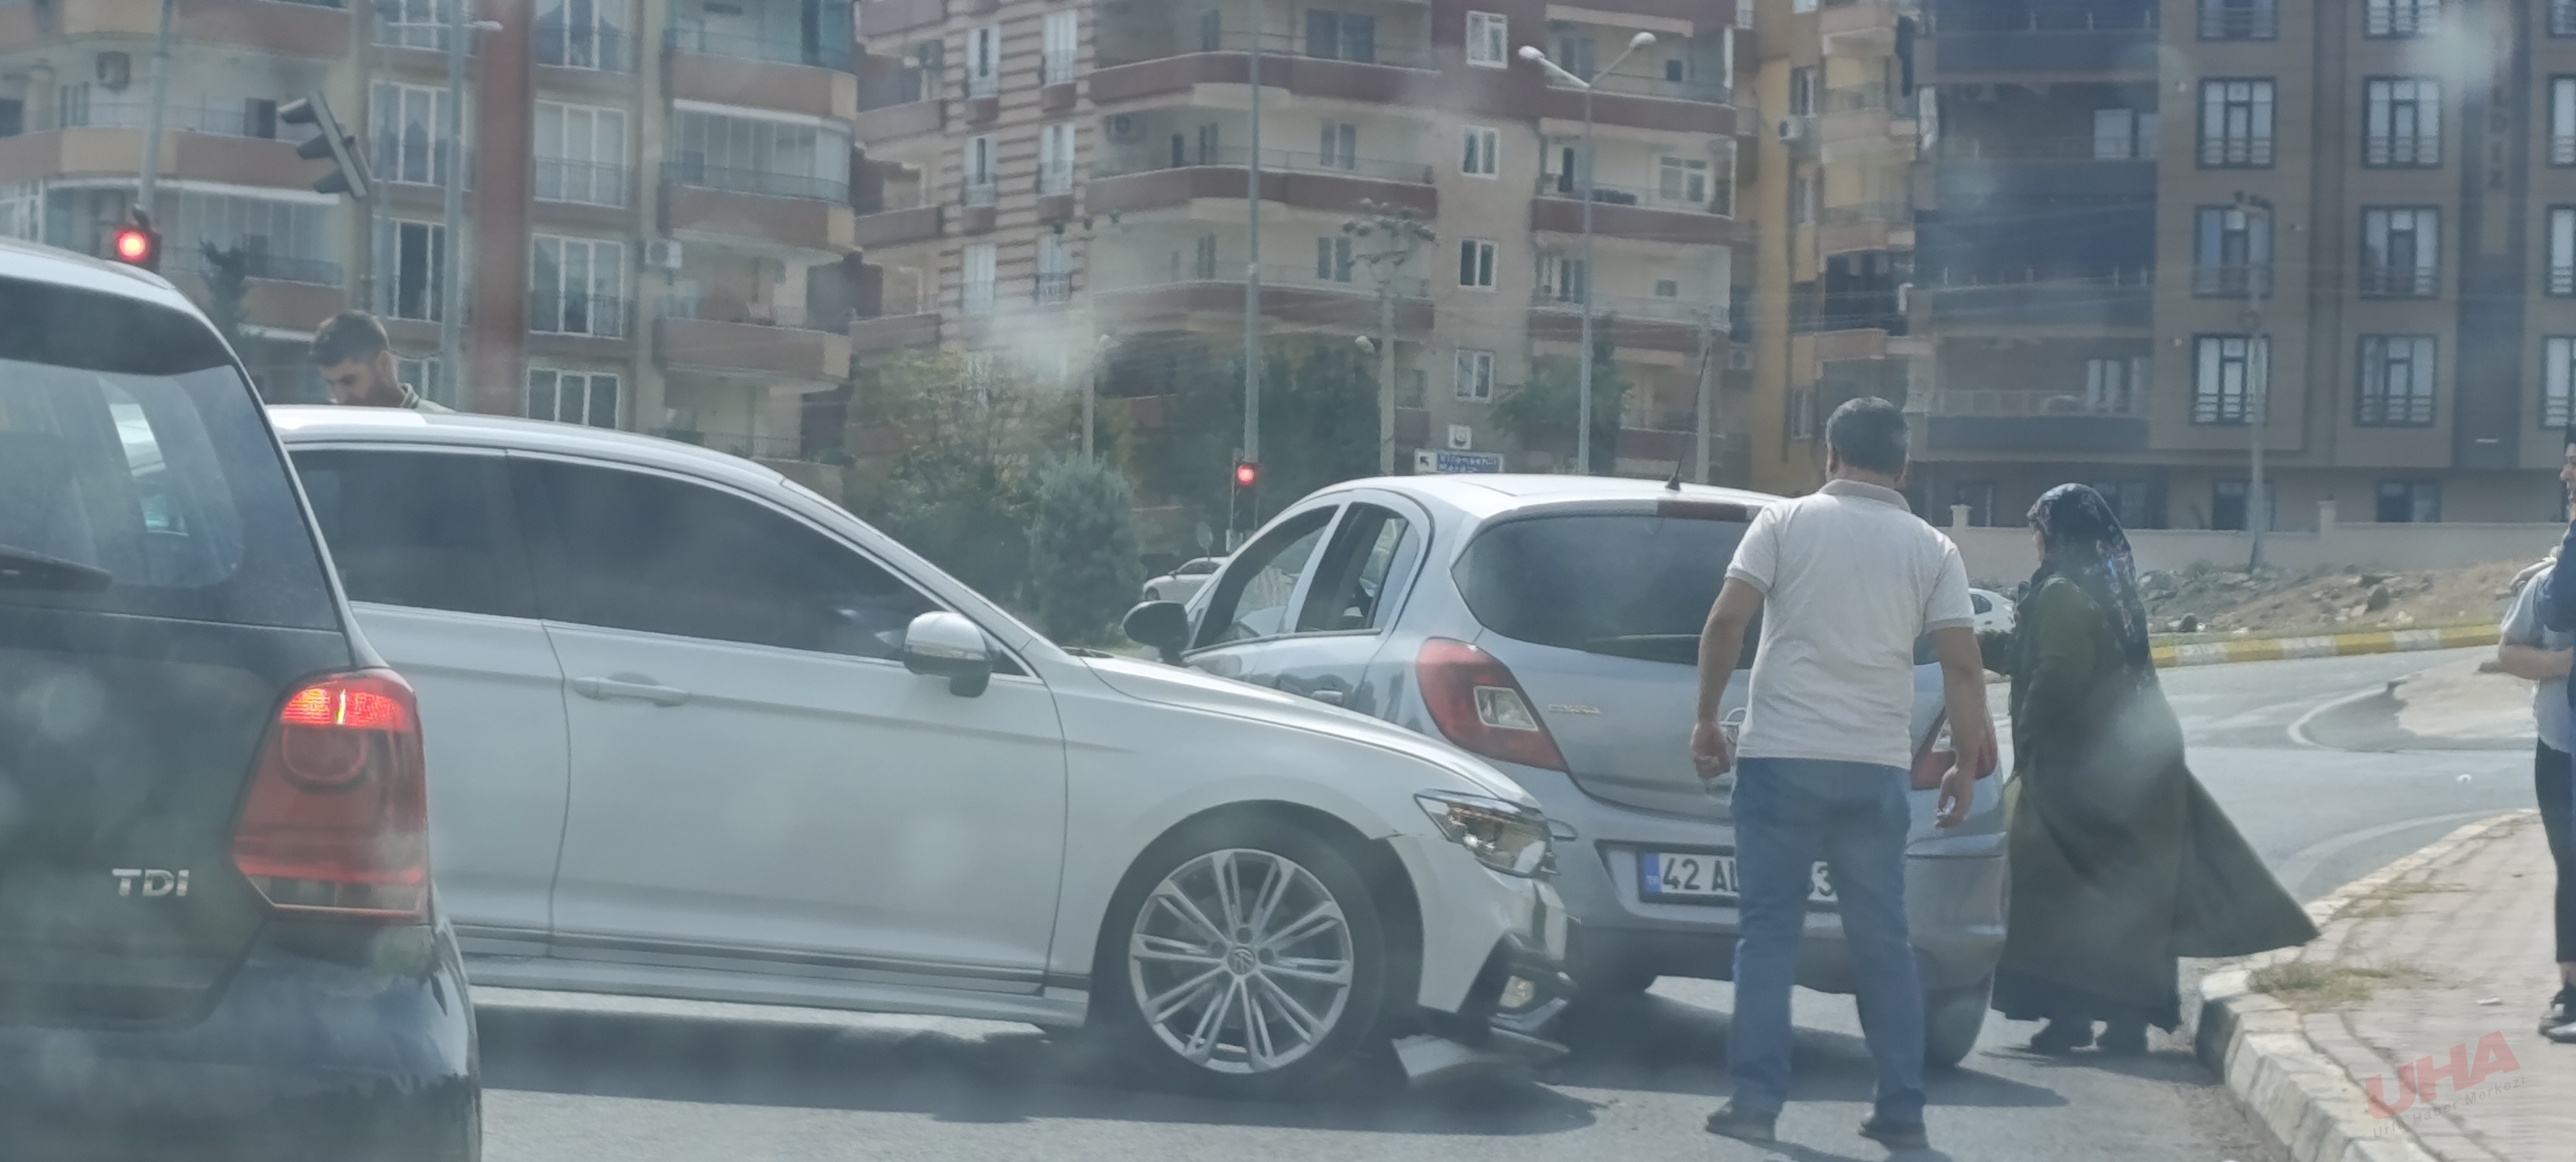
(1196, 568)
(632, 550)
(1370, 546)
(432, 530)
(1252, 597)
(1635, 586)
(1980, 604)
(130, 444)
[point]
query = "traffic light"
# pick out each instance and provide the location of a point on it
(136, 243)
(350, 175)
(1243, 509)
(1247, 474)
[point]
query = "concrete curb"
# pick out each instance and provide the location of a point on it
(2324, 646)
(2306, 1102)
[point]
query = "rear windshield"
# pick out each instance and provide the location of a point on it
(1636, 586)
(130, 446)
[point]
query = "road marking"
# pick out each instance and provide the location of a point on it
(2294, 871)
(2299, 729)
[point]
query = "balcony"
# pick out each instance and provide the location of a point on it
(201, 157)
(1386, 72)
(902, 323)
(2410, 18)
(2562, 282)
(2022, 420)
(598, 49)
(764, 183)
(1867, 226)
(1289, 294)
(1858, 28)
(1646, 214)
(2239, 20)
(552, 312)
(2562, 149)
(792, 209)
(1314, 181)
(1970, 169)
(2048, 40)
(2231, 281)
(1646, 324)
(761, 73)
(899, 217)
(887, 17)
(2010, 301)
(2235, 152)
(2399, 282)
(782, 50)
(2388, 151)
(1645, 102)
(584, 183)
(753, 338)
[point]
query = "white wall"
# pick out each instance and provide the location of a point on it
(2008, 554)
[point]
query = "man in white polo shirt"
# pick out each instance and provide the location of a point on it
(1846, 579)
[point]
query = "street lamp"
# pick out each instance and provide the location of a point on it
(2258, 372)
(451, 295)
(1583, 363)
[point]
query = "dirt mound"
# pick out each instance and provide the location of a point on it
(2207, 600)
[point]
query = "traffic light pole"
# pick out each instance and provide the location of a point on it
(451, 296)
(148, 184)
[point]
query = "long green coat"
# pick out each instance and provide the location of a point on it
(2121, 862)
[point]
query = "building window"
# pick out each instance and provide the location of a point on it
(575, 34)
(1055, 158)
(1489, 40)
(410, 269)
(1203, 259)
(2400, 17)
(1333, 259)
(2123, 134)
(2133, 501)
(977, 163)
(1682, 181)
(1802, 91)
(1802, 199)
(413, 23)
(978, 263)
(2227, 377)
(288, 241)
(984, 61)
(2409, 502)
(2562, 251)
(2400, 251)
(581, 154)
(573, 397)
(2227, 506)
(2112, 385)
(1478, 151)
(2239, 20)
(2562, 17)
(756, 155)
(2401, 122)
(2396, 388)
(1341, 36)
(1059, 40)
(22, 212)
(1055, 269)
(577, 286)
(410, 134)
(1475, 375)
(424, 376)
(2558, 382)
(1340, 145)
(2235, 124)
(1476, 264)
(1802, 413)
(2232, 257)
(1978, 497)
(2562, 120)
(1802, 5)
(1560, 278)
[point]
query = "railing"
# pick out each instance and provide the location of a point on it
(755, 181)
(1055, 177)
(1280, 160)
(557, 313)
(2219, 21)
(2419, 149)
(2404, 282)
(724, 310)
(979, 195)
(2137, 147)
(2401, 18)
(1281, 275)
(2231, 282)
(983, 84)
(1669, 310)
(892, 198)
(390, 165)
(2562, 149)
(215, 116)
(1054, 287)
(2235, 152)
(260, 264)
(420, 24)
(2051, 18)
(1864, 212)
(2023, 402)
(2562, 282)
(1564, 185)
(1377, 51)
(1055, 67)
(1637, 85)
(1868, 98)
(607, 50)
(588, 183)
(2073, 275)
(785, 50)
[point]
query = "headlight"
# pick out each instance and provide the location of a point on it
(1506, 837)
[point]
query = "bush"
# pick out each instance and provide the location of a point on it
(1084, 568)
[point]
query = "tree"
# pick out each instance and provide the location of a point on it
(1548, 402)
(963, 489)
(1084, 565)
(227, 282)
(1318, 419)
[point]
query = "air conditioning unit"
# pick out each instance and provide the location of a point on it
(1739, 359)
(1123, 127)
(1792, 128)
(662, 254)
(115, 70)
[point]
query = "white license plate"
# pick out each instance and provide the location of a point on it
(1673, 875)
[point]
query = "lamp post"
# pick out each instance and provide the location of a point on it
(150, 177)
(451, 273)
(1400, 231)
(1583, 365)
(2258, 372)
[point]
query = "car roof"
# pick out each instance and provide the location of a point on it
(311, 424)
(1492, 494)
(32, 262)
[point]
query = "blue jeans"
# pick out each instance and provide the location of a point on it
(1789, 813)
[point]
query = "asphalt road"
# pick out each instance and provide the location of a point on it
(635, 1081)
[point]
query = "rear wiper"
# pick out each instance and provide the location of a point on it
(22, 569)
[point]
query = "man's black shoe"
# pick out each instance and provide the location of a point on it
(1896, 1135)
(1744, 1125)
(2561, 1012)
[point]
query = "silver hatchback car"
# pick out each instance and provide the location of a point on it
(1550, 624)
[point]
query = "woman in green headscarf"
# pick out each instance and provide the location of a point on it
(2121, 863)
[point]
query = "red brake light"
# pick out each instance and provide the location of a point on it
(1934, 758)
(337, 818)
(1478, 705)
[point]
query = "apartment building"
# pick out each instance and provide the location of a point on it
(1065, 182)
(2152, 233)
(656, 225)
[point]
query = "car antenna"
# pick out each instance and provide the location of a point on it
(1674, 482)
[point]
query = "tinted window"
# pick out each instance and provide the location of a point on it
(1980, 604)
(130, 444)
(635, 551)
(1370, 547)
(427, 529)
(1252, 599)
(1635, 586)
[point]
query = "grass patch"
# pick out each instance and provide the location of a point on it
(2311, 987)
(2390, 898)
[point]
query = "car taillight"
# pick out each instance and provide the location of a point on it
(1937, 754)
(337, 819)
(1476, 702)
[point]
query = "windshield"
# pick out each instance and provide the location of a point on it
(1631, 586)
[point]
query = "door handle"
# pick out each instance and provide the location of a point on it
(1327, 695)
(606, 688)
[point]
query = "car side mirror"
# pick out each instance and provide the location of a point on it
(946, 645)
(1163, 625)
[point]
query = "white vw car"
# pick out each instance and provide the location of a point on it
(697, 732)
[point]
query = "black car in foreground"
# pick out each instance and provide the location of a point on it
(217, 935)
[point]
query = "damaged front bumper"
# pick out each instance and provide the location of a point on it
(1510, 1009)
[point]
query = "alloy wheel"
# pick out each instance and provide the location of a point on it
(1241, 961)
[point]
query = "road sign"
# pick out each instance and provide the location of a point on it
(1466, 461)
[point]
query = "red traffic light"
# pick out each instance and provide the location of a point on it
(134, 245)
(1247, 474)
